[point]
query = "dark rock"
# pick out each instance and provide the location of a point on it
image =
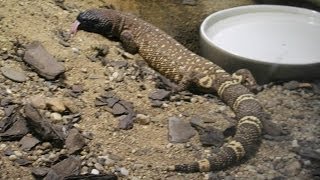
(77, 88)
(106, 99)
(309, 153)
(74, 141)
(100, 101)
(119, 64)
(5, 102)
(156, 103)
(291, 85)
(28, 142)
(42, 128)
(68, 167)
(107, 94)
(159, 94)
(180, 131)
(118, 109)
(13, 127)
(40, 172)
(211, 136)
(43, 62)
(23, 162)
(128, 105)
(92, 177)
(8, 152)
(8, 110)
(13, 74)
(125, 122)
(112, 101)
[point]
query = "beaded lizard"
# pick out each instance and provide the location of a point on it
(175, 62)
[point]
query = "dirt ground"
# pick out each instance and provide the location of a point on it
(145, 150)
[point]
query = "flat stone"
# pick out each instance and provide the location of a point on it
(118, 109)
(94, 176)
(14, 74)
(309, 153)
(211, 137)
(180, 131)
(43, 62)
(23, 162)
(125, 122)
(119, 64)
(40, 172)
(74, 141)
(77, 88)
(42, 128)
(159, 94)
(28, 142)
(14, 127)
(67, 167)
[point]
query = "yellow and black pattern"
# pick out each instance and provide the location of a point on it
(174, 61)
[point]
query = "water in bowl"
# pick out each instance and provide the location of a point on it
(276, 37)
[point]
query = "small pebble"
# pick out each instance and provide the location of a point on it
(13, 74)
(295, 144)
(18, 153)
(98, 166)
(46, 145)
(84, 170)
(2, 146)
(56, 116)
(143, 119)
(13, 157)
(95, 171)
(124, 171)
(75, 50)
(56, 104)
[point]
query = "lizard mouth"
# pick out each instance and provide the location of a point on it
(74, 27)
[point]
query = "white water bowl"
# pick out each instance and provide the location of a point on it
(273, 42)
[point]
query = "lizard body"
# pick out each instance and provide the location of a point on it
(175, 62)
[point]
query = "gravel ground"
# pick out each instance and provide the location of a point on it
(144, 151)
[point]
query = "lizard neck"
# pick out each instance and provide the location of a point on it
(118, 25)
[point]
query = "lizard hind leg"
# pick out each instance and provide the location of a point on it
(128, 42)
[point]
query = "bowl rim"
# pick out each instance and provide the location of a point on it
(257, 8)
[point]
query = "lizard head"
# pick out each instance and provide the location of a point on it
(94, 20)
